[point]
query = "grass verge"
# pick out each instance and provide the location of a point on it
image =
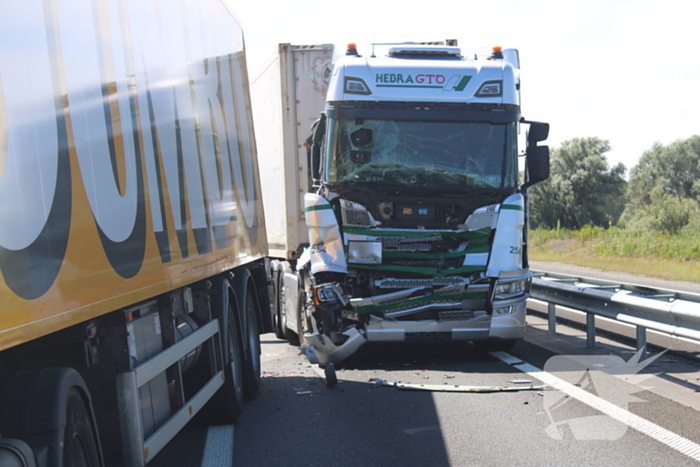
(660, 268)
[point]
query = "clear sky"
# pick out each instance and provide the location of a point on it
(625, 71)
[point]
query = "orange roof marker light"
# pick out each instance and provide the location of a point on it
(497, 52)
(352, 49)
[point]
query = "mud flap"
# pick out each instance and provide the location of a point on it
(324, 351)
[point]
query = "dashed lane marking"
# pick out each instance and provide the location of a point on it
(218, 450)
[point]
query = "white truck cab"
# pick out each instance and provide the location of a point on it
(417, 217)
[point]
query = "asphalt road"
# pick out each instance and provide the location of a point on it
(297, 421)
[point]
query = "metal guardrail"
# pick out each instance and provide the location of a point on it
(669, 311)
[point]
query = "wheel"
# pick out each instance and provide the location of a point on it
(277, 306)
(227, 404)
(505, 345)
(50, 410)
(231, 393)
(251, 365)
(331, 377)
(301, 316)
(286, 332)
(79, 447)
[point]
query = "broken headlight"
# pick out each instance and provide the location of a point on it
(483, 217)
(329, 293)
(364, 252)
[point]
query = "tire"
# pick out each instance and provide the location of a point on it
(229, 399)
(301, 298)
(277, 306)
(505, 345)
(227, 404)
(79, 446)
(50, 410)
(251, 366)
(287, 333)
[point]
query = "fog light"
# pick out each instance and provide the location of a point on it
(504, 310)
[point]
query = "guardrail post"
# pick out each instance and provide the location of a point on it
(642, 341)
(590, 330)
(552, 315)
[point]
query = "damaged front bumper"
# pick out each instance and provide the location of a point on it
(326, 352)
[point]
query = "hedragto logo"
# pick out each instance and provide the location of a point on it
(433, 81)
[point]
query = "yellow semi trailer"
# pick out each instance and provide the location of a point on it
(133, 270)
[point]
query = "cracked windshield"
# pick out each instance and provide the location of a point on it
(425, 153)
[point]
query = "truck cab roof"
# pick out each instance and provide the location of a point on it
(426, 74)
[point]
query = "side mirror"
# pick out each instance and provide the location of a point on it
(537, 165)
(538, 132)
(319, 134)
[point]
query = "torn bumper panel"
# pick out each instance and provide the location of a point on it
(328, 352)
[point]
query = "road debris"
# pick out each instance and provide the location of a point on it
(456, 387)
(521, 381)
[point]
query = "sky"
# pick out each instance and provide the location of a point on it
(624, 71)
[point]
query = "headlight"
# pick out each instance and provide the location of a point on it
(356, 214)
(356, 86)
(329, 293)
(364, 252)
(506, 290)
(490, 89)
(483, 217)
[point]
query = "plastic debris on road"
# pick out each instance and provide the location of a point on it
(456, 387)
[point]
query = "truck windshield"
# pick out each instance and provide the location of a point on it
(422, 153)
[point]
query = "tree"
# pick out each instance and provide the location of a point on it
(582, 187)
(664, 187)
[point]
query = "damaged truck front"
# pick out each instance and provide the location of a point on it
(417, 219)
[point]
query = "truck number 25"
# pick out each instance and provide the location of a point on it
(515, 250)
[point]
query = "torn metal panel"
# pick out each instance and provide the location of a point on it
(456, 387)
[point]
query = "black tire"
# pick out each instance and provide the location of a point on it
(505, 345)
(50, 410)
(231, 393)
(227, 404)
(277, 306)
(79, 446)
(251, 366)
(301, 298)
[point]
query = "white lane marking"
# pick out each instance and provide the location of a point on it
(669, 438)
(218, 450)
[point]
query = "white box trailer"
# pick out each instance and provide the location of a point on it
(288, 96)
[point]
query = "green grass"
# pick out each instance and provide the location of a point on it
(673, 257)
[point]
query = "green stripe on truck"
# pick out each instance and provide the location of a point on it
(319, 207)
(471, 234)
(513, 207)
